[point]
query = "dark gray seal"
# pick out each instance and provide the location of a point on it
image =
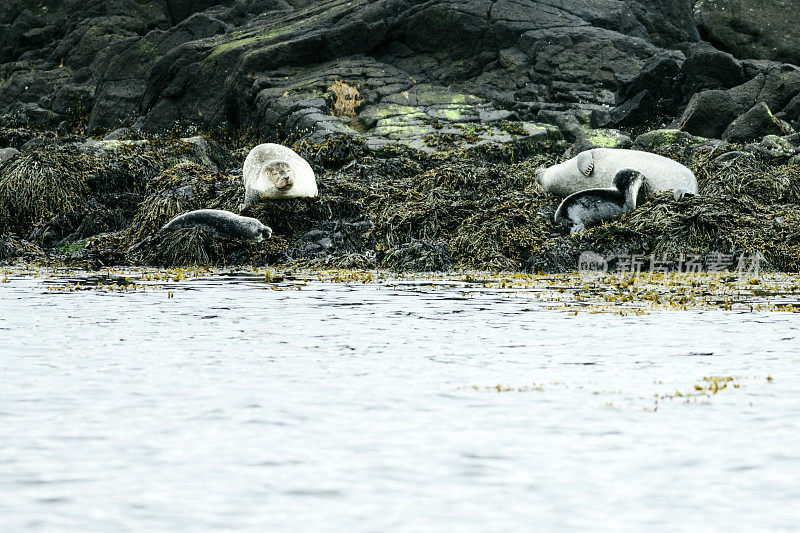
(222, 224)
(592, 206)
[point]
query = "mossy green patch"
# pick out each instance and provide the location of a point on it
(604, 138)
(74, 247)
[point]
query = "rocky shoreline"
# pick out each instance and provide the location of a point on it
(460, 206)
(424, 123)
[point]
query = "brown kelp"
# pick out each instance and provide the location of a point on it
(36, 186)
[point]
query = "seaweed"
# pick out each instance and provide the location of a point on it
(184, 247)
(394, 207)
(181, 188)
(36, 186)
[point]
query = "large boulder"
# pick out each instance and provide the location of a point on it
(708, 68)
(667, 21)
(708, 114)
(754, 125)
(776, 87)
(767, 30)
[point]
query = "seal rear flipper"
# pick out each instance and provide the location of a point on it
(577, 228)
(585, 162)
(680, 194)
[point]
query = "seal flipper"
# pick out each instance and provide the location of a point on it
(577, 228)
(585, 162)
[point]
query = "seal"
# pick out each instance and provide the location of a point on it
(222, 224)
(275, 171)
(596, 168)
(590, 207)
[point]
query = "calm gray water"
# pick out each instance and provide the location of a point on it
(336, 407)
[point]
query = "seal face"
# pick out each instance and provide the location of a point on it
(275, 171)
(222, 224)
(280, 173)
(596, 168)
(590, 207)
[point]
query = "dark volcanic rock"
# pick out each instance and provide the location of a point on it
(641, 110)
(708, 68)
(418, 256)
(754, 125)
(769, 29)
(708, 114)
(660, 78)
(776, 87)
(269, 65)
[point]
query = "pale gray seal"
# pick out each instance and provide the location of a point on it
(592, 206)
(596, 168)
(222, 224)
(275, 171)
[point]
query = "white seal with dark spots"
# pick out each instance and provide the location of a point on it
(592, 206)
(275, 171)
(596, 168)
(222, 224)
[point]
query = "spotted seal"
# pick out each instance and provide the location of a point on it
(592, 206)
(222, 224)
(596, 168)
(275, 171)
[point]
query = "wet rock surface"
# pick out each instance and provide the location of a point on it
(768, 31)
(424, 121)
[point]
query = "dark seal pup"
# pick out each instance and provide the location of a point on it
(592, 206)
(222, 224)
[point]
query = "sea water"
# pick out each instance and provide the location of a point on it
(228, 403)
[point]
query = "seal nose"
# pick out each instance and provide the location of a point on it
(537, 175)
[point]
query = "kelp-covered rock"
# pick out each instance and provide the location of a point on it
(418, 256)
(458, 206)
(184, 247)
(181, 188)
(12, 248)
(746, 206)
(197, 246)
(37, 186)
